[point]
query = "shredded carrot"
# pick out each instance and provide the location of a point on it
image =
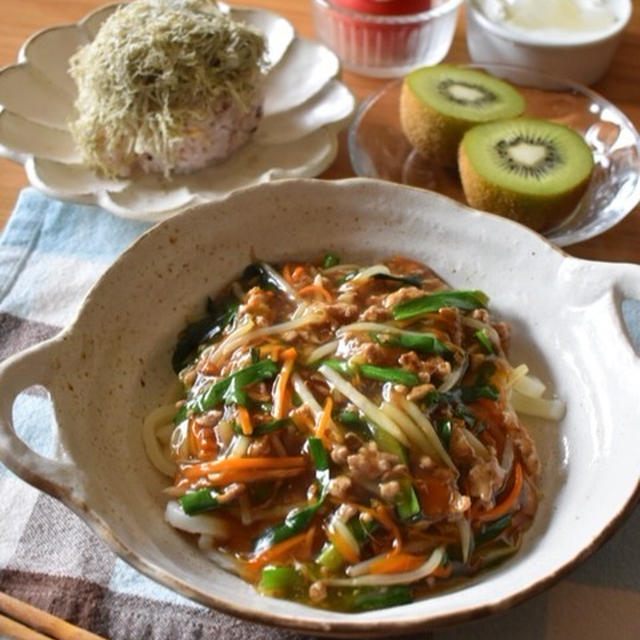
(308, 544)
(316, 289)
(397, 563)
(277, 552)
(289, 353)
(245, 421)
(270, 349)
(324, 421)
(229, 477)
(198, 470)
(381, 514)
(286, 273)
(192, 437)
(303, 421)
(298, 272)
(509, 502)
(281, 392)
(345, 549)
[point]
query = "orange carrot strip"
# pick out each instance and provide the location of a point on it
(192, 437)
(509, 502)
(276, 552)
(316, 289)
(245, 421)
(303, 421)
(280, 391)
(270, 349)
(298, 273)
(289, 353)
(381, 514)
(286, 273)
(324, 420)
(345, 549)
(308, 543)
(397, 563)
(227, 464)
(229, 477)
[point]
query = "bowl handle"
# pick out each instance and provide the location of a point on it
(36, 365)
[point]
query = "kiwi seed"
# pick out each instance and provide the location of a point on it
(533, 171)
(439, 103)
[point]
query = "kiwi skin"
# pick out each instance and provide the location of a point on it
(540, 213)
(435, 130)
(432, 134)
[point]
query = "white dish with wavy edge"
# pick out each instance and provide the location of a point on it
(379, 149)
(112, 366)
(305, 106)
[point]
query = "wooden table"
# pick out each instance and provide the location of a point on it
(621, 86)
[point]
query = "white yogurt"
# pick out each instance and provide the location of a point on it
(551, 18)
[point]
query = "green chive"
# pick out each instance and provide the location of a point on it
(389, 374)
(199, 501)
(465, 300)
(330, 260)
(229, 389)
(483, 339)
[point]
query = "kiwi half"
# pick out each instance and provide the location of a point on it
(439, 103)
(533, 171)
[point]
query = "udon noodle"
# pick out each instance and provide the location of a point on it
(349, 435)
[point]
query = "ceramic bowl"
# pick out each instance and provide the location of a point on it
(581, 57)
(112, 366)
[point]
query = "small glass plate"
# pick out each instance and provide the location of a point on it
(379, 149)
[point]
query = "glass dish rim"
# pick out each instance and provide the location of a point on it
(560, 236)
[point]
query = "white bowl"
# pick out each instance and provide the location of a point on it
(581, 57)
(112, 366)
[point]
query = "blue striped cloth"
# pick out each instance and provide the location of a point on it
(50, 254)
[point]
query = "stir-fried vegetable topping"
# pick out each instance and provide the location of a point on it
(346, 436)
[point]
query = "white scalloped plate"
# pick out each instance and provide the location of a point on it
(305, 107)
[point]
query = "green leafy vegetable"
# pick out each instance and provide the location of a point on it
(264, 428)
(389, 374)
(423, 343)
(229, 389)
(279, 579)
(466, 300)
(330, 260)
(493, 529)
(415, 281)
(370, 598)
(483, 339)
(443, 428)
(299, 519)
(219, 316)
(199, 501)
